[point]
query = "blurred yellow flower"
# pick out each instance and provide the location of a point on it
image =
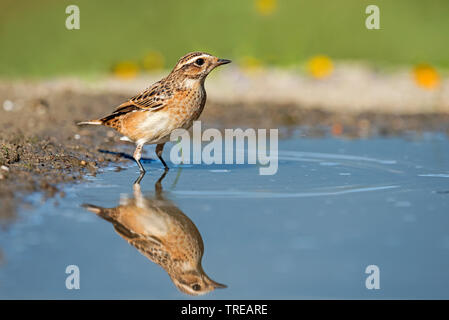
(320, 66)
(153, 61)
(337, 129)
(426, 76)
(266, 7)
(126, 70)
(249, 63)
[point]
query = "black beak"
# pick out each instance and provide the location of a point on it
(223, 61)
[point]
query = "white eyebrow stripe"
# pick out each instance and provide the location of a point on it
(197, 57)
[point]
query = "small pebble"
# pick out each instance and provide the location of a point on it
(83, 163)
(8, 105)
(77, 136)
(5, 168)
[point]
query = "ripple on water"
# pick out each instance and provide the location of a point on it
(321, 160)
(315, 156)
(335, 191)
(435, 175)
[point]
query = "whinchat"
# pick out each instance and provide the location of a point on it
(159, 230)
(171, 103)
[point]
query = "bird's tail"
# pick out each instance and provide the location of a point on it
(93, 122)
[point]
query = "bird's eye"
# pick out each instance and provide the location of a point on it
(199, 62)
(196, 287)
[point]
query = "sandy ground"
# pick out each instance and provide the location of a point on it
(41, 147)
(352, 88)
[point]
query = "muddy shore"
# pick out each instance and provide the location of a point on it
(41, 148)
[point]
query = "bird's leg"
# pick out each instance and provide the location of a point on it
(159, 149)
(137, 182)
(140, 200)
(137, 155)
(158, 185)
(136, 187)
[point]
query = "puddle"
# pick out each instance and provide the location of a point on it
(334, 208)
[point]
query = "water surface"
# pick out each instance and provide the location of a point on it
(333, 208)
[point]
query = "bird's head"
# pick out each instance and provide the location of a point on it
(197, 65)
(195, 282)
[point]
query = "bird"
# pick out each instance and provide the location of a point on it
(160, 231)
(172, 103)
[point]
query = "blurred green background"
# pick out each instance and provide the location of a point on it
(35, 42)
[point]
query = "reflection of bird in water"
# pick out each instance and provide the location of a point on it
(165, 235)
